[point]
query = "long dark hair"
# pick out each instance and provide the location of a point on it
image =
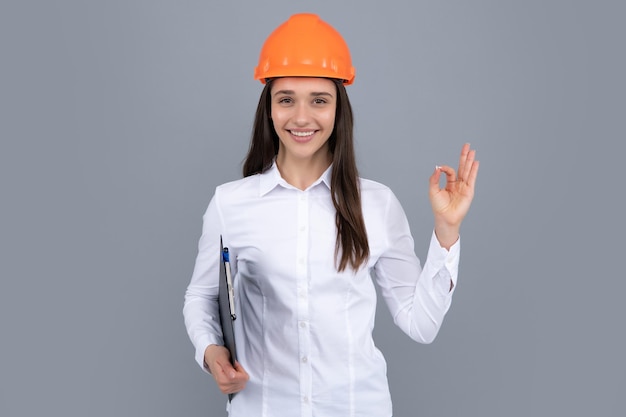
(351, 247)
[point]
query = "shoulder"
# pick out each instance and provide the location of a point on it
(239, 185)
(239, 189)
(376, 198)
(381, 211)
(373, 189)
(380, 198)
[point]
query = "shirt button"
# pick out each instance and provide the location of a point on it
(301, 261)
(305, 399)
(305, 359)
(302, 324)
(302, 228)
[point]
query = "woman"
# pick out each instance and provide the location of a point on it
(305, 231)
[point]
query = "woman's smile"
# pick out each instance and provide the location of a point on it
(302, 136)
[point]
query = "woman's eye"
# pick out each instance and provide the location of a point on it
(319, 101)
(285, 100)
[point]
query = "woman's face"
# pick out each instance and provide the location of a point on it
(303, 113)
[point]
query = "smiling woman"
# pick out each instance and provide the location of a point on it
(304, 232)
(303, 115)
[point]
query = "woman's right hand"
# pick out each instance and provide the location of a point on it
(229, 379)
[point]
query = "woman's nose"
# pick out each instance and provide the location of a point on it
(302, 114)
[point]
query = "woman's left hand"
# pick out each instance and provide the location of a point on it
(451, 203)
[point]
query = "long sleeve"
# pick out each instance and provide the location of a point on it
(418, 298)
(201, 309)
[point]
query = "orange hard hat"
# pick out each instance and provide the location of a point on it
(305, 46)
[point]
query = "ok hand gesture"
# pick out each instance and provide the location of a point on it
(451, 203)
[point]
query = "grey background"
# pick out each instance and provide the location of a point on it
(118, 119)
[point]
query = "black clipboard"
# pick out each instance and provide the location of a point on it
(227, 305)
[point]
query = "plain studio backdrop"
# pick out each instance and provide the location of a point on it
(119, 118)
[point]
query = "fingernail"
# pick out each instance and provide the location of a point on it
(437, 167)
(232, 374)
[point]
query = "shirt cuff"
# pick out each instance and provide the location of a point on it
(446, 262)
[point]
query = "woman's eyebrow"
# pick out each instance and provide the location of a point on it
(321, 93)
(314, 94)
(288, 92)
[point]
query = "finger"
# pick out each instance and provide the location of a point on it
(222, 370)
(463, 158)
(464, 174)
(228, 370)
(237, 382)
(240, 370)
(435, 178)
(228, 380)
(471, 179)
(434, 181)
(450, 174)
(215, 357)
(450, 182)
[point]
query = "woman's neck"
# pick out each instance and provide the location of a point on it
(301, 173)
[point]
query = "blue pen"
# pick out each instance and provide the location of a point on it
(229, 284)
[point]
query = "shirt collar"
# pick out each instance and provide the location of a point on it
(271, 178)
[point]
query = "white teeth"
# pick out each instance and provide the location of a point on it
(302, 134)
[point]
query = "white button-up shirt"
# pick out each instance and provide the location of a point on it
(304, 330)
